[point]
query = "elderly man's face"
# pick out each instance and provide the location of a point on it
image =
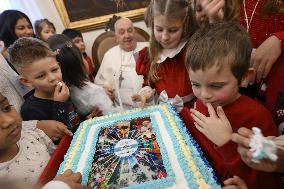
(125, 35)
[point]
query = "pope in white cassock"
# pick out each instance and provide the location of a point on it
(117, 71)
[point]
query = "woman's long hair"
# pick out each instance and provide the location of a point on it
(8, 21)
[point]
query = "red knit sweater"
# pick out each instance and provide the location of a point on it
(262, 27)
(226, 161)
(271, 91)
(172, 73)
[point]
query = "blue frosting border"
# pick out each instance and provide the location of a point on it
(106, 121)
(200, 160)
(67, 155)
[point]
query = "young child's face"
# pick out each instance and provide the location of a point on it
(43, 74)
(46, 32)
(200, 15)
(23, 28)
(79, 42)
(10, 124)
(168, 32)
(216, 85)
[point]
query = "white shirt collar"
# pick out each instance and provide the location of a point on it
(170, 53)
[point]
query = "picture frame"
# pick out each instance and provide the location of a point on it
(86, 15)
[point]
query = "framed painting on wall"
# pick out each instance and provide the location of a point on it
(93, 14)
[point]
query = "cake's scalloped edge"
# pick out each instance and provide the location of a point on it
(105, 121)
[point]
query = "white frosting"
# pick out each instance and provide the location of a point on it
(84, 156)
(168, 143)
(125, 147)
(261, 147)
(180, 179)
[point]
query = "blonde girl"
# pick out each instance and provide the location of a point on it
(163, 63)
(44, 29)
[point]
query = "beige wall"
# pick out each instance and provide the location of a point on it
(49, 11)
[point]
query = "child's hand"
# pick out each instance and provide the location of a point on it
(110, 92)
(213, 9)
(96, 112)
(235, 183)
(73, 180)
(242, 138)
(216, 127)
(139, 98)
(53, 129)
(148, 92)
(61, 92)
(145, 94)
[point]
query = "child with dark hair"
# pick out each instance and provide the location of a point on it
(77, 39)
(14, 24)
(37, 65)
(216, 71)
(44, 29)
(88, 98)
(23, 153)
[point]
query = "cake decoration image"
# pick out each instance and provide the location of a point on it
(127, 153)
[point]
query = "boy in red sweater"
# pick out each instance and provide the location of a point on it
(218, 59)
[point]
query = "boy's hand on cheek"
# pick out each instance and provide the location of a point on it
(53, 129)
(216, 127)
(61, 92)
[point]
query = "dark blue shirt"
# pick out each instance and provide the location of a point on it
(43, 109)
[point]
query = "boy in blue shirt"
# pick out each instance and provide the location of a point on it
(38, 67)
